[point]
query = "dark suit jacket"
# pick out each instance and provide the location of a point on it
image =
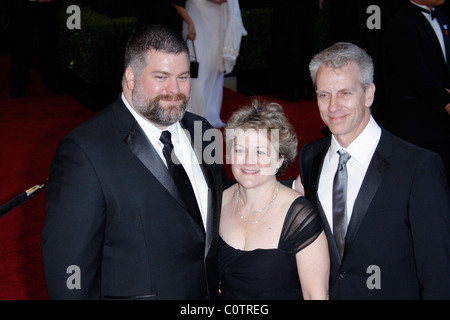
(113, 211)
(415, 78)
(400, 223)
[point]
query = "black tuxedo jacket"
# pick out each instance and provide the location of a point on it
(415, 77)
(114, 211)
(400, 223)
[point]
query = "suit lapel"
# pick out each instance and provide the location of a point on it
(143, 149)
(199, 144)
(136, 140)
(138, 143)
(332, 246)
(316, 168)
(375, 173)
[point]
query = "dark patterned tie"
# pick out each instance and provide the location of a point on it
(339, 201)
(180, 178)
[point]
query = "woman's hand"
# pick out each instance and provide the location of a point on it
(191, 31)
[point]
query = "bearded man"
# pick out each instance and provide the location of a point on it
(118, 225)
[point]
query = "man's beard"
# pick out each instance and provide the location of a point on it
(151, 110)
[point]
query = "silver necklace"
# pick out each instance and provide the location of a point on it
(250, 211)
(266, 207)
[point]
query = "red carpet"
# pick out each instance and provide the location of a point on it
(30, 129)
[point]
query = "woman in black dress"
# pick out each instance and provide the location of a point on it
(271, 244)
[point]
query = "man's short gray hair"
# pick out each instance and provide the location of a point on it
(338, 55)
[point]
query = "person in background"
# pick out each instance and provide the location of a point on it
(33, 44)
(384, 202)
(416, 69)
(272, 244)
(215, 28)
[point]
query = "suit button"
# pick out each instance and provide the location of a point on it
(343, 275)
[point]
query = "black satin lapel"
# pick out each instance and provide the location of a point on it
(211, 205)
(199, 144)
(375, 174)
(143, 149)
(317, 169)
(332, 246)
(213, 212)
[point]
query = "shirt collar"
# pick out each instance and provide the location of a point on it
(150, 130)
(360, 149)
(421, 6)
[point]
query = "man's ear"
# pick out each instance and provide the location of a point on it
(370, 94)
(130, 78)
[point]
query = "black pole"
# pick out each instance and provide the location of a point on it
(21, 198)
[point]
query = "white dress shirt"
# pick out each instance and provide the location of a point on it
(436, 27)
(361, 151)
(183, 151)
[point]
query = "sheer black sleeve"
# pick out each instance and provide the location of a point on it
(301, 227)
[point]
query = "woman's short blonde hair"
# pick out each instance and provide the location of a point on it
(263, 115)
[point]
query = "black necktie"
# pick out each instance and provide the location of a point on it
(180, 178)
(339, 201)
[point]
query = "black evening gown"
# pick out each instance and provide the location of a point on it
(270, 274)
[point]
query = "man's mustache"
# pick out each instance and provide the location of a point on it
(168, 97)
